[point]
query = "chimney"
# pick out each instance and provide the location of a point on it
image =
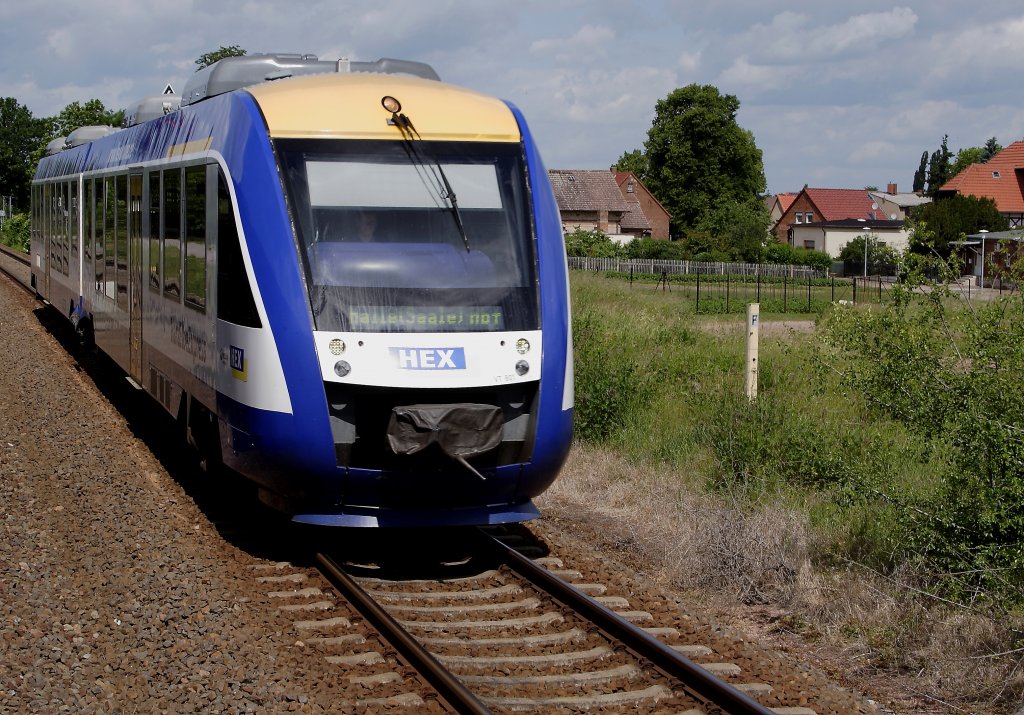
(891, 188)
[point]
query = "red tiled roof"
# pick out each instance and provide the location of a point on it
(835, 204)
(786, 200)
(1000, 179)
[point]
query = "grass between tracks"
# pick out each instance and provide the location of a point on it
(835, 503)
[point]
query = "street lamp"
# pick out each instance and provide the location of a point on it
(866, 229)
(983, 232)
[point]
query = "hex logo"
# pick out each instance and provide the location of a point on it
(429, 358)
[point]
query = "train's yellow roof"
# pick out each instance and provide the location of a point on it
(348, 106)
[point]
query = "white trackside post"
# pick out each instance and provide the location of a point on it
(753, 320)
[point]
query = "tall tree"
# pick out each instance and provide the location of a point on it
(742, 226)
(965, 157)
(633, 161)
(698, 156)
(92, 113)
(921, 175)
(992, 147)
(20, 135)
(950, 218)
(939, 164)
(208, 58)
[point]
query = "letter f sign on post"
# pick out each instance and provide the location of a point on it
(753, 321)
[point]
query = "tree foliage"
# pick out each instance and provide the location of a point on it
(698, 156)
(208, 58)
(634, 161)
(593, 244)
(20, 135)
(948, 219)
(743, 226)
(882, 259)
(939, 166)
(951, 373)
(76, 115)
(15, 232)
(921, 175)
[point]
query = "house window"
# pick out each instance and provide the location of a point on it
(809, 244)
(799, 217)
(629, 187)
(996, 175)
(809, 217)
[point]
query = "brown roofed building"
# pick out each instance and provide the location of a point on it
(646, 217)
(1000, 179)
(588, 199)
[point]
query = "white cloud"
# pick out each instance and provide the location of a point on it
(791, 36)
(586, 41)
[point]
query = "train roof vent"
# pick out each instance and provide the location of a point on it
(84, 135)
(56, 146)
(233, 73)
(151, 108)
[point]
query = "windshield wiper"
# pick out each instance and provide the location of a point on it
(410, 137)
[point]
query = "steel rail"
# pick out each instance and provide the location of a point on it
(447, 685)
(7, 252)
(16, 255)
(665, 659)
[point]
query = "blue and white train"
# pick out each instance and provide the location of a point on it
(347, 280)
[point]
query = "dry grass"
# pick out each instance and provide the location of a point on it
(691, 539)
(887, 638)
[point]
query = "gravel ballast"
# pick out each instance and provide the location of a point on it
(117, 593)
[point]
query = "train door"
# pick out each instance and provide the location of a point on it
(46, 249)
(135, 285)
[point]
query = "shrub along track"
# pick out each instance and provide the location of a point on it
(131, 579)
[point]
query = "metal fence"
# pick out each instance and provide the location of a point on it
(653, 266)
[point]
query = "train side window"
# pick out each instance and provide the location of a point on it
(86, 224)
(73, 225)
(98, 253)
(154, 231)
(121, 186)
(47, 222)
(63, 218)
(195, 237)
(235, 303)
(109, 267)
(172, 234)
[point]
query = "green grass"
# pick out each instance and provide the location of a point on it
(659, 384)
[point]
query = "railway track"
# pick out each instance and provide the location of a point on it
(495, 631)
(15, 265)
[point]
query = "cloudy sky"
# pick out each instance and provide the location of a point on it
(838, 95)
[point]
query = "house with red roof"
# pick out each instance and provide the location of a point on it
(646, 217)
(1001, 179)
(827, 219)
(779, 204)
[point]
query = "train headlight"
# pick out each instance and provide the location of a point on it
(342, 368)
(522, 346)
(522, 367)
(336, 346)
(391, 104)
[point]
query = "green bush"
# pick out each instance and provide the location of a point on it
(609, 385)
(16, 232)
(592, 244)
(952, 374)
(648, 248)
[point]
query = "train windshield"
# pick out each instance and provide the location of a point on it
(387, 249)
